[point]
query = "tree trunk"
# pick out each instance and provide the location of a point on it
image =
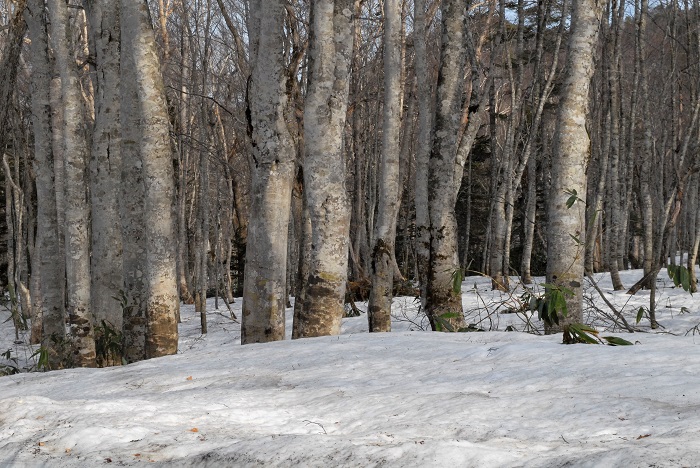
(425, 104)
(106, 166)
(443, 301)
(132, 210)
(52, 313)
(161, 302)
(272, 168)
(331, 46)
(77, 210)
(379, 308)
(566, 228)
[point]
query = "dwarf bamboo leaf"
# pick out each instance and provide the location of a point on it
(616, 341)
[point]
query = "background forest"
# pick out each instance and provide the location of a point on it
(335, 152)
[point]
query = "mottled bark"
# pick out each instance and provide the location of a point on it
(272, 167)
(443, 303)
(379, 308)
(331, 46)
(9, 66)
(162, 302)
(106, 166)
(77, 209)
(132, 209)
(50, 260)
(566, 228)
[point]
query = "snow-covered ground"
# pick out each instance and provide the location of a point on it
(407, 398)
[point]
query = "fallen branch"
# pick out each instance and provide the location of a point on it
(617, 313)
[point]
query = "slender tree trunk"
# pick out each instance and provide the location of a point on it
(52, 313)
(566, 227)
(77, 210)
(425, 104)
(529, 221)
(379, 309)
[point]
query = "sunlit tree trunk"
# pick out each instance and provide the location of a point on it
(160, 271)
(379, 308)
(566, 229)
(331, 46)
(77, 210)
(272, 167)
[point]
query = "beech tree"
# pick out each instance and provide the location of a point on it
(383, 250)
(272, 156)
(330, 51)
(77, 209)
(160, 270)
(566, 208)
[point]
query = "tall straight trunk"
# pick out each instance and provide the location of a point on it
(77, 210)
(50, 260)
(183, 170)
(379, 308)
(443, 302)
(331, 46)
(272, 169)
(425, 105)
(132, 210)
(615, 260)
(106, 166)
(694, 232)
(162, 302)
(566, 227)
(645, 175)
(9, 66)
(529, 222)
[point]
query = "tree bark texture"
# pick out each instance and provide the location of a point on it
(50, 260)
(106, 166)
(77, 209)
(162, 302)
(272, 167)
(566, 229)
(443, 303)
(331, 46)
(389, 196)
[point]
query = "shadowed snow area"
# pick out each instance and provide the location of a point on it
(408, 398)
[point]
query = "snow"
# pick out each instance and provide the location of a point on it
(407, 398)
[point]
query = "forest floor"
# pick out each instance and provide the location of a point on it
(406, 398)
